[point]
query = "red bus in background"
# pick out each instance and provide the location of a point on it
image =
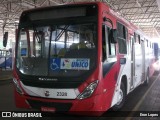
(79, 58)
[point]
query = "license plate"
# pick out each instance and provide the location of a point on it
(48, 109)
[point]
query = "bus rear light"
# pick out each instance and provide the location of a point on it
(88, 91)
(17, 86)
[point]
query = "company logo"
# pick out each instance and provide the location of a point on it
(75, 64)
(20, 114)
(66, 64)
(47, 93)
(6, 114)
(47, 79)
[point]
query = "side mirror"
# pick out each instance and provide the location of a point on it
(122, 61)
(5, 39)
(113, 36)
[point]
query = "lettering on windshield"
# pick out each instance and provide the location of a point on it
(69, 64)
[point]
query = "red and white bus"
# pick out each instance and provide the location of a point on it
(78, 57)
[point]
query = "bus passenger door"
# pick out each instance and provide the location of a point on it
(132, 62)
(143, 60)
(138, 63)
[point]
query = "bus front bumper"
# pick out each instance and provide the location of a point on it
(91, 106)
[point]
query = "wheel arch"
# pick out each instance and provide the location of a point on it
(124, 80)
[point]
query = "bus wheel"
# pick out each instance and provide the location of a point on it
(147, 79)
(121, 97)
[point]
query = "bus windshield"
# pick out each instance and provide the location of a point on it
(57, 50)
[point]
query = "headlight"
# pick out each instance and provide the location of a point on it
(88, 91)
(18, 88)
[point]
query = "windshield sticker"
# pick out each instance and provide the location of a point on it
(69, 64)
(75, 64)
(55, 64)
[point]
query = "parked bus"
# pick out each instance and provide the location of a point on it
(78, 58)
(156, 50)
(156, 65)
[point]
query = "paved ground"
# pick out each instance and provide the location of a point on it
(5, 74)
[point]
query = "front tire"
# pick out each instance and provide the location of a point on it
(122, 98)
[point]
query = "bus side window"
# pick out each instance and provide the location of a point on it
(103, 43)
(108, 50)
(122, 38)
(111, 46)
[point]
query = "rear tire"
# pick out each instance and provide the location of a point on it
(122, 98)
